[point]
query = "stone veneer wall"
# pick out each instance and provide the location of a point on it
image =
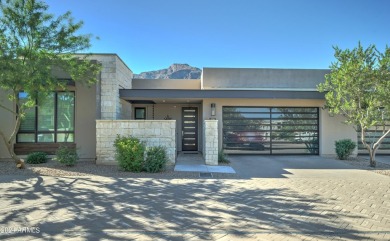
(115, 75)
(210, 146)
(153, 132)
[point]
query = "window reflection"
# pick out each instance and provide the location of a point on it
(272, 130)
(52, 120)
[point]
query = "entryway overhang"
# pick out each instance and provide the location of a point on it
(149, 94)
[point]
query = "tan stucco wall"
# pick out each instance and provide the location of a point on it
(181, 84)
(174, 111)
(85, 126)
(331, 128)
(263, 78)
(6, 123)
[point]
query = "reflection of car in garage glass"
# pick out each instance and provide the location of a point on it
(245, 140)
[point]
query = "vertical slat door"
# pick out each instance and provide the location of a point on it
(190, 129)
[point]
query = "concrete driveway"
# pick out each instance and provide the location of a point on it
(278, 198)
(260, 166)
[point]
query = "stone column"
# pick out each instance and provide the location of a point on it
(115, 75)
(210, 145)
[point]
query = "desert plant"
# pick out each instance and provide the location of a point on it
(156, 159)
(36, 158)
(222, 157)
(129, 153)
(357, 87)
(66, 156)
(34, 43)
(344, 148)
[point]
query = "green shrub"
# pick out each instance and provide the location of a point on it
(344, 148)
(222, 157)
(36, 158)
(66, 156)
(129, 153)
(156, 159)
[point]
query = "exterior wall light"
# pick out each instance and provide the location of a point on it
(213, 109)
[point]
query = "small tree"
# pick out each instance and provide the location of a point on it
(32, 44)
(358, 87)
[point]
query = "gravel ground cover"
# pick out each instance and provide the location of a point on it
(89, 168)
(362, 163)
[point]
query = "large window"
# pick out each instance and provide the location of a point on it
(51, 121)
(271, 130)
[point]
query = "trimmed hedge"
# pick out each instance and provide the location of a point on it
(156, 159)
(66, 156)
(133, 156)
(129, 153)
(344, 148)
(37, 158)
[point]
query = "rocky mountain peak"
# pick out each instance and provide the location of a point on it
(175, 71)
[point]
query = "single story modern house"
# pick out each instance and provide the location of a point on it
(239, 110)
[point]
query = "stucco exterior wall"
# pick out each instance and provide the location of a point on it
(153, 133)
(246, 78)
(85, 116)
(126, 110)
(6, 123)
(160, 111)
(331, 128)
(166, 84)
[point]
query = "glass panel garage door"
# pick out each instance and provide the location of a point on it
(271, 130)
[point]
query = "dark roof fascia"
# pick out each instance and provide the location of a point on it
(206, 94)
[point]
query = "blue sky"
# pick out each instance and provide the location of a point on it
(152, 34)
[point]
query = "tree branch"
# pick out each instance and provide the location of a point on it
(376, 144)
(15, 131)
(362, 138)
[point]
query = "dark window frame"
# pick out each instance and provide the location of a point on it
(55, 132)
(135, 113)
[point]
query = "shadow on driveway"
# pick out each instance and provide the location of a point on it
(128, 208)
(260, 166)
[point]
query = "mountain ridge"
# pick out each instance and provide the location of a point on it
(174, 71)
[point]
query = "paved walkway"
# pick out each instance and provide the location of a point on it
(204, 169)
(194, 162)
(190, 158)
(299, 198)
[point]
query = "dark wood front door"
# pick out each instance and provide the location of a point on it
(189, 129)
